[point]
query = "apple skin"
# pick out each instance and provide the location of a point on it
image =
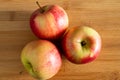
(49, 24)
(41, 59)
(81, 44)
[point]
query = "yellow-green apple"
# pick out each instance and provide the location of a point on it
(49, 22)
(81, 44)
(41, 59)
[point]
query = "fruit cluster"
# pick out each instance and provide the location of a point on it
(42, 58)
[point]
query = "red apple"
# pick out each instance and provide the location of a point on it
(81, 44)
(49, 22)
(41, 59)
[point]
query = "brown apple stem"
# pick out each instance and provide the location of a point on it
(41, 9)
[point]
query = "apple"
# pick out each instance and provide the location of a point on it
(81, 44)
(41, 59)
(49, 22)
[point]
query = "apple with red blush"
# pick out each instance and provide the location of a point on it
(81, 44)
(41, 59)
(49, 22)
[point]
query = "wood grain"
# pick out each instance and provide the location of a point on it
(15, 33)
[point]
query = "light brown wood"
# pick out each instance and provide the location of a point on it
(15, 33)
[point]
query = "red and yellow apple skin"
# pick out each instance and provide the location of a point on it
(41, 59)
(49, 23)
(81, 44)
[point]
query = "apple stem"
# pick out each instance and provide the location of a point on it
(41, 9)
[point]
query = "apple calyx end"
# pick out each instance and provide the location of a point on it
(32, 72)
(83, 43)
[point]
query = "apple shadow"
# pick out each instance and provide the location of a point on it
(58, 44)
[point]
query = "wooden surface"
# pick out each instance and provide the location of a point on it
(102, 15)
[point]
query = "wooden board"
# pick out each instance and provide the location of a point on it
(102, 15)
